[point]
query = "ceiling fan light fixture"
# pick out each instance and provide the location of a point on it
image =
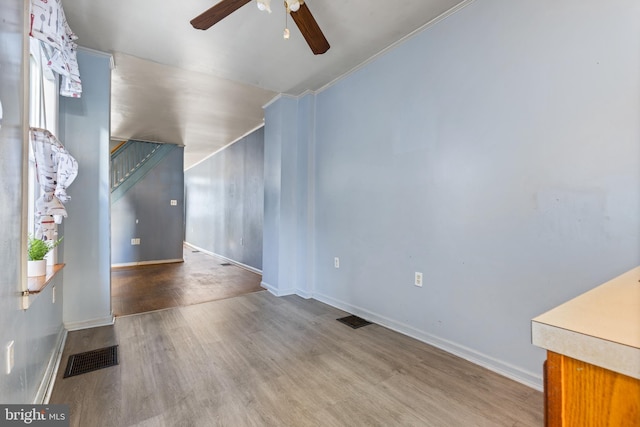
(264, 5)
(293, 5)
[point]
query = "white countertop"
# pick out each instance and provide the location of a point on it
(601, 326)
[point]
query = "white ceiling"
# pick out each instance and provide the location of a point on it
(204, 89)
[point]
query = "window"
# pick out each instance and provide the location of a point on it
(43, 113)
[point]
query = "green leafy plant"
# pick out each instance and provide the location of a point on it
(38, 248)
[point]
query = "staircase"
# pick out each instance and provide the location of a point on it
(131, 161)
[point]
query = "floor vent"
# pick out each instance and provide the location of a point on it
(226, 264)
(93, 360)
(354, 321)
(193, 252)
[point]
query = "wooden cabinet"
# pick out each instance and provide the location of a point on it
(579, 394)
(592, 372)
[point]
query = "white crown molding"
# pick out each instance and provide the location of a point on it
(227, 146)
(412, 34)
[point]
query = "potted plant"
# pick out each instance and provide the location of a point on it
(36, 251)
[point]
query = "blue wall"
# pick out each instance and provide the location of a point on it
(145, 212)
(37, 333)
(224, 206)
(497, 152)
(84, 129)
(288, 202)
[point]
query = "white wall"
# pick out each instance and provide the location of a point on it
(497, 152)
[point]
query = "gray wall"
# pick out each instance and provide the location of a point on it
(37, 331)
(145, 212)
(84, 129)
(497, 152)
(224, 201)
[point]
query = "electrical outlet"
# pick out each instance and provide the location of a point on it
(418, 279)
(336, 262)
(174, 203)
(10, 361)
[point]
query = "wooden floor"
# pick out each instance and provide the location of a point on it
(258, 360)
(200, 278)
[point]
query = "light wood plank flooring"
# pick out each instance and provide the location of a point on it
(258, 360)
(200, 278)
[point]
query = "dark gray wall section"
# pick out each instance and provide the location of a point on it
(159, 225)
(224, 206)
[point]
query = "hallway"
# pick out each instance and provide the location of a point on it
(200, 278)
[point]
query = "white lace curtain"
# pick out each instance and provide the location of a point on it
(49, 25)
(55, 169)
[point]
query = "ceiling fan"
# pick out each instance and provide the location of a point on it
(296, 8)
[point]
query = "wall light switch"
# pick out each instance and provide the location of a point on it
(10, 361)
(336, 262)
(135, 241)
(174, 203)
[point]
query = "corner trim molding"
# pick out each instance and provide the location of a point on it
(277, 292)
(498, 366)
(277, 98)
(92, 323)
(304, 294)
(293, 97)
(48, 380)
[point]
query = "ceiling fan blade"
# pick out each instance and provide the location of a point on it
(217, 13)
(310, 30)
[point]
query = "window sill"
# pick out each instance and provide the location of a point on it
(36, 284)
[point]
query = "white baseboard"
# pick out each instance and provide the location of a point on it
(48, 380)
(277, 292)
(505, 369)
(232, 261)
(92, 323)
(135, 264)
(304, 294)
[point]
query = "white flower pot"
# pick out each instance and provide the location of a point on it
(52, 257)
(36, 268)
